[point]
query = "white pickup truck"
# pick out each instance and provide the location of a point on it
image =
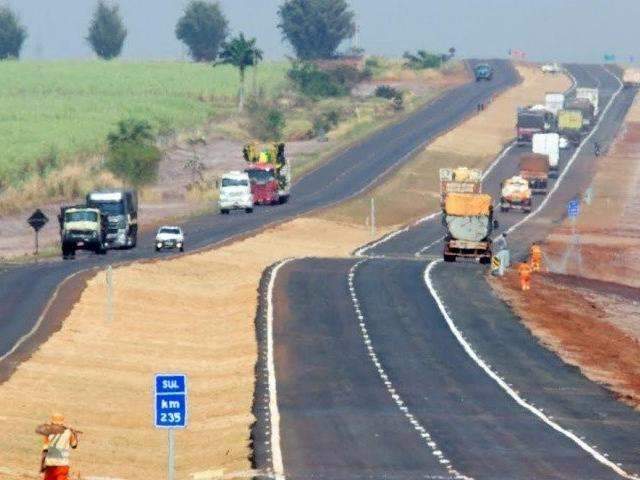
(235, 192)
(169, 237)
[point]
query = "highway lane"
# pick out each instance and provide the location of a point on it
(25, 290)
(424, 238)
(325, 378)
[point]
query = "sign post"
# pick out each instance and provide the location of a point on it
(37, 220)
(573, 211)
(170, 411)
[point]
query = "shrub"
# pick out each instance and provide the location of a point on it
(131, 130)
(136, 164)
(386, 91)
(266, 121)
(313, 82)
(422, 60)
(326, 122)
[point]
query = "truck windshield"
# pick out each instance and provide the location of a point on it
(234, 182)
(109, 208)
(170, 231)
(260, 176)
(81, 217)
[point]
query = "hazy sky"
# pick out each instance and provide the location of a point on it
(564, 30)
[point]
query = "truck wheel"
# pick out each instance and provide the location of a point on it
(248, 210)
(485, 260)
(224, 211)
(504, 209)
(182, 248)
(449, 258)
(284, 199)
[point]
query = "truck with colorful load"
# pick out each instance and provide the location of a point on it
(534, 168)
(269, 172)
(459, 180)
(468, 219)
(515, 195)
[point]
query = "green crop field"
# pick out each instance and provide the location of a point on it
(68, 107)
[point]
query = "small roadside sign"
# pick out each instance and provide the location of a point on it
(37, 220)
(573, 209)
(588, 196)
(170, 403)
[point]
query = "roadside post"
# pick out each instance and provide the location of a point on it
(109, 279)
(37, 220)
(170, 411)
(573, 211)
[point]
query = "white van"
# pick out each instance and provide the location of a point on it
(235, 192)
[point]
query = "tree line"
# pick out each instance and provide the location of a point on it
(314, 29)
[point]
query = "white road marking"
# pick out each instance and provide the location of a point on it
(416, 425)
(274, 412)
(600, 457)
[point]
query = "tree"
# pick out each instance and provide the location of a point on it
(107, 32)
(422, 60)
(315, 28)
(203, 28)
(241, 53)
(12, 34)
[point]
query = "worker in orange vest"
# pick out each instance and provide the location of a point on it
(525, 276)
(536, 257)
(59, 440)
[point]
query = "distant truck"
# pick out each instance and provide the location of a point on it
(515, 194)
(535, 169)
(235, 192)
(459, 180)
(585, 107)
(548, 144)
(591, 94)
(531, 121)
(120, 207)
(554, 102)
(483, 71)
(82, 228)
(631, 77)
(468, 218)
(270, 173)
(570, 125)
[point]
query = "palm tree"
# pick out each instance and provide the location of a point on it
(241, 53)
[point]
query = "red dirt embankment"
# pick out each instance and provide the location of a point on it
(586, 308)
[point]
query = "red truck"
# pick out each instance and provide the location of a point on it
(270, 173)
(264, 185)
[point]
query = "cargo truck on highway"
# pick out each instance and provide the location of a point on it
(82, 228)
(483, 71)
(468, 218)
(535, 169)
(120, 207)
(570, 125)
(585, 107)
(270, 173)
(515, 195)
(459, 180)
(631, 77)
(554, 102)
(548, 144)
(531, 121)
(592, 95)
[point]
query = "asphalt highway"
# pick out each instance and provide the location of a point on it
(376, 379)
(25, 290)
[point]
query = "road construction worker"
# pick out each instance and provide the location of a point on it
(525, 276)
(59, 440)
(536, 257)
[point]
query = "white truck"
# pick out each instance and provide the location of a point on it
(551, 68)
(548, 144)
(554, 102)
(235, 192)
(631, 77)
(591, 94)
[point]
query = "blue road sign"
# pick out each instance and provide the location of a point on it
(573, 209)
(170, 402)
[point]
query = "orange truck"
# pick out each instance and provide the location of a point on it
(534, 168)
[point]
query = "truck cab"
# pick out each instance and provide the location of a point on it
(82, 228)
(264, 184)
(483, 71)
(515, 194)
(120, 207)
(235, 192)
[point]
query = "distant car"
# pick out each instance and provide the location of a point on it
(483, 71)
(551, 68)
(170, 237)
(563, 143)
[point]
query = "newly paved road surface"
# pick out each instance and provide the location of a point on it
(373, 383)
(25, 290)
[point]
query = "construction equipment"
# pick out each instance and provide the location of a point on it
(515, 194)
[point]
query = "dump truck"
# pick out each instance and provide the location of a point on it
(585, 107)
(591, 94)
(570, 125)
(515, 195)
(554, 102)
(82, 228)
(548, 144)
(459, 180)
(468, 218)
(631, 77)
(531, 121)
(534, 168)
(120, 207)
(483, 71)
(269, 171)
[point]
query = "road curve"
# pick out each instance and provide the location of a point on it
(372, 383)
(26, 290)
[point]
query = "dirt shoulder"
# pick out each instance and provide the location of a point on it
(193, 314)
(586, 307)
(415, 190)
